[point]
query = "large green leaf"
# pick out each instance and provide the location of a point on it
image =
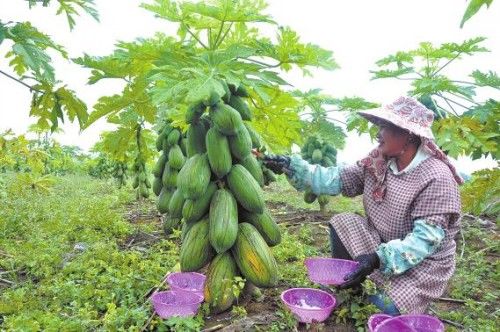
(473, 8)
(486, 79)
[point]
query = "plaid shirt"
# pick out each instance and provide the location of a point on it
(428, 192)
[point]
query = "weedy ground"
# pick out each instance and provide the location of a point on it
(85, 256)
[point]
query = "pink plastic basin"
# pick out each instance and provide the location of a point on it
(329, 271)
(309, 304)
(176, 303)
(410, 323)
(375, 320)
(187, 281)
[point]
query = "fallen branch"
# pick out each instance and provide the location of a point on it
(150, 319)
(289, 224)
(213, 328)
(447, 299)
(130, 243)
(463, 244)
(7, 281)
(154, 289)
(449, 322)
(6, 254)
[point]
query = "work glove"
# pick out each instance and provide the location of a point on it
(367, 264)
(279, 164)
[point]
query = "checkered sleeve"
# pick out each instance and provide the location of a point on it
(439, 197)
(352, 179)
(398, 256)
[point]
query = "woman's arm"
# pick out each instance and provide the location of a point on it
(398, 256)
(320, 180)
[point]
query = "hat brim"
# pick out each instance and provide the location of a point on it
(378, 116)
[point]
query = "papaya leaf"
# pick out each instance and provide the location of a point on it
(399, 58)
(72, 105)
(277, 121)
(70, 8)
(486, 79)
(473, 8)
(327, 131)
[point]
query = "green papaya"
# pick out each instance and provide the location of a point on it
(196, 250)
(246, 189)
(170, 223)
(194, 210)
(173, 137)
(194, 176)
(323, 199)
(195, 139)
(254, 257)
(164, 200)
(238, 90)
(212, 99)
(218, 152)
(225, 119)
(241, 106)
(157, 186)
(223, 218)
(175, 157)
(256, 140)
(159, 166)
(194, 112)
(169, 178)
(309, 197)
(240, 143)
(317, 156)
(253, 166)
(265, 224)
(227, 93)
(218, 288)
(176, 203)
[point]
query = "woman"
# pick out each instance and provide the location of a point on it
(411, 199)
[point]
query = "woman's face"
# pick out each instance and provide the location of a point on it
(392, 140)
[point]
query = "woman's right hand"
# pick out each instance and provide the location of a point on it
(279, 164)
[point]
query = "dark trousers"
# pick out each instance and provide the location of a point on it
(336, 246)
(380, 300)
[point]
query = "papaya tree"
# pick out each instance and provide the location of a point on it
(132, 143)
(466, 125)
(217, 43)
(323, 116)
(218, 80)
(28, 49)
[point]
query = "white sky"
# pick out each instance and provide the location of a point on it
(358, 32)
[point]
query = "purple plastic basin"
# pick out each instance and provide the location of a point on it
(309, 304)
(375, 320)
(176, 303)
(394, 325)
(413, 323)
(187, 281)
(329, 271)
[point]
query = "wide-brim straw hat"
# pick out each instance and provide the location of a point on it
(406, 113)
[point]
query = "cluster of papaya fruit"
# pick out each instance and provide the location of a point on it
(172, 146)
(318, 152)
(141, 181)
(218, 197)
(120, 173)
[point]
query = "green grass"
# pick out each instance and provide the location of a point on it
(57, 286)
(282, 192)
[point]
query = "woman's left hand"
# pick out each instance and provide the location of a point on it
(367, 264)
